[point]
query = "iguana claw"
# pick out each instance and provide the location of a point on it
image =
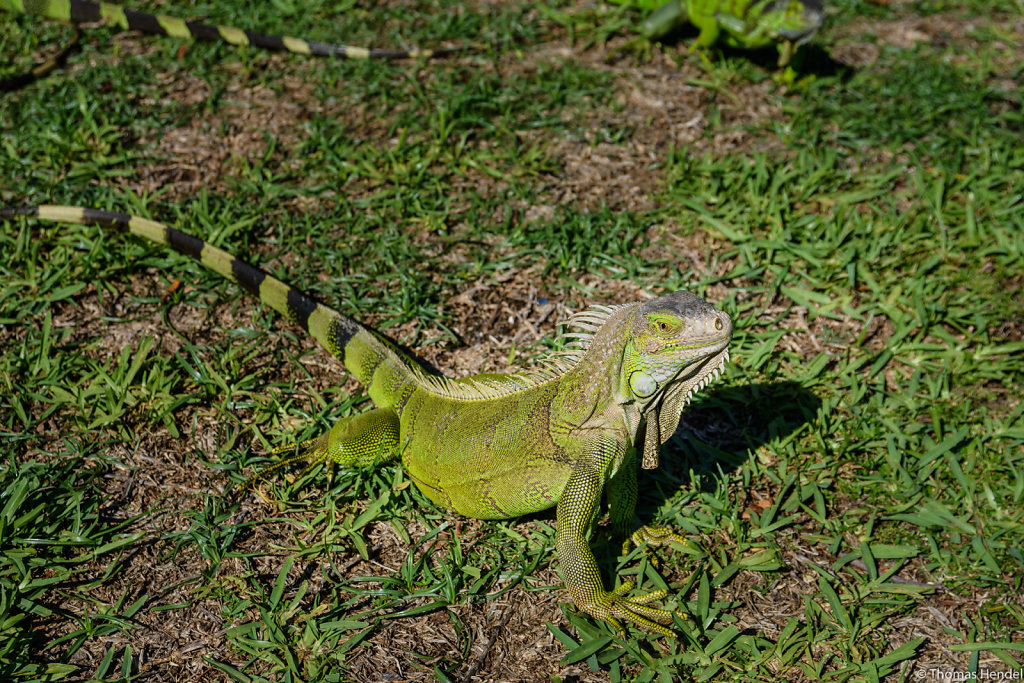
(615, 607)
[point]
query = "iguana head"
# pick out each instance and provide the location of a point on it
(672, 338)
(772, 21)
(651, 357)
(678, 344)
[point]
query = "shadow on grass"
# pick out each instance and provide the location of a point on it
(809, 60)
(722, 430)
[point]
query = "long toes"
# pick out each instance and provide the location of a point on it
(658, 615)
(651, 625)
(659, 536)
(624, 588)
(650, 597)
(633, 610)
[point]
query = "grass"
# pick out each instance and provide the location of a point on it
(851, 492)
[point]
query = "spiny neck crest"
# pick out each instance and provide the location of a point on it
(578, 334)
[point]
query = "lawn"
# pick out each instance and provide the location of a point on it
(851, 490)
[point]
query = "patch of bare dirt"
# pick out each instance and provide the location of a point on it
(663, 108)
(209, 151)
(849, 47)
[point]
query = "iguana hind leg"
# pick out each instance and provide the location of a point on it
(362, 440)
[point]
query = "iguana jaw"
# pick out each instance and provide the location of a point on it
(678, 344)
(698, 375)
(663, 411)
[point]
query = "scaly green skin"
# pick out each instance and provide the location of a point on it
(747, 24)
(82, 10)
(496, 446)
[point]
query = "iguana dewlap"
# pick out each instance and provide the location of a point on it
(494, 446)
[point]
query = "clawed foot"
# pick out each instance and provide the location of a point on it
(616, 608)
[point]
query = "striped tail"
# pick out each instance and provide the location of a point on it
(327, 326)
(84, 10)
(388, 373)
(42, 69)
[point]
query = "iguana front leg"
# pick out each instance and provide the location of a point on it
(622, 496)
(576, 510)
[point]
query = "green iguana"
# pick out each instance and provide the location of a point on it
(77, 11)
(494, 446)
(748, 24)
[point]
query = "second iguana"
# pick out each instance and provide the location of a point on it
(494, 446)
(749, 24)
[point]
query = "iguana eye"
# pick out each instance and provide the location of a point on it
(663, 326)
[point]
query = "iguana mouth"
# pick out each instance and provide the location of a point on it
(707, 376)
(704, 372)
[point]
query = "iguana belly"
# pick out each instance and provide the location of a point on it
(489, 459)
(510, 494)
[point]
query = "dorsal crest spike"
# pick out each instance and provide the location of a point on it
(578, 330)
(578, 333)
